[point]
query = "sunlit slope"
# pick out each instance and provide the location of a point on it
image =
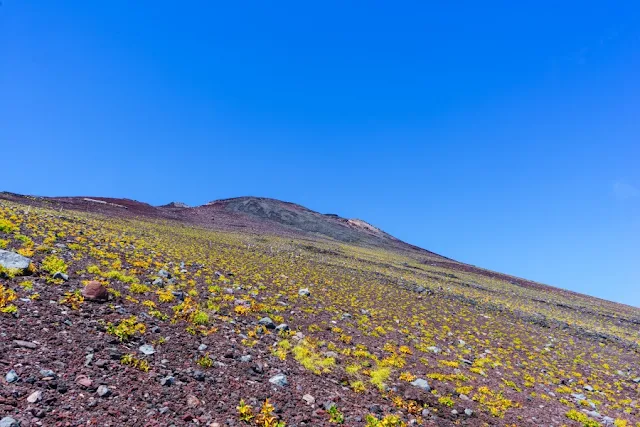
(374, 321)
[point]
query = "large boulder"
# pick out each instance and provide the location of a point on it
(13, 261)
(95, 291)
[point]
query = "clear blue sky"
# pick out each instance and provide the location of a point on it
(502, 135)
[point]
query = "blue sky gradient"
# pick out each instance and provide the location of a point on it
(499, 134)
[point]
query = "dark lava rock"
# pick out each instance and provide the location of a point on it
(60, 275)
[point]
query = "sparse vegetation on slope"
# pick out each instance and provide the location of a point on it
(214, 326)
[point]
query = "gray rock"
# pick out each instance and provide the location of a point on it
(579, 396)
(62, 387)
(304, 292)
(9, 422)
(283, 327)
(167, 381)
(202, 347)
(588, 388)
(114, 353)
(267, 323)
(164, 273)
(426, 412)
(88, 359)
(245, 358)
(104, 391)
(13, 261)
(179, 294)
(434, 349)
(157, 282)
(47, 373)
(422, 384)
(468, 412)
(147, 349)
(375, 409)
(279, 380)
(636, 380)
(199, 376)
(60, 275)
(310, 400)
(11, 376)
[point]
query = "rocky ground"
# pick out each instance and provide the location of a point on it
(130, 320)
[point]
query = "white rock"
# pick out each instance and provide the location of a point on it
(147, 349)
(103, 391)
(13, 261)
(34, 397)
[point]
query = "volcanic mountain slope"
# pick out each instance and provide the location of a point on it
(241, 313)
(300, 218)
(253, 214)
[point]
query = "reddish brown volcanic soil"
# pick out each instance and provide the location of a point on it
(495, 349)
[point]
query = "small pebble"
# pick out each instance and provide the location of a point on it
(147, 349)
(104, 391)
(167, 381)
(47, 373)
(34, 397)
